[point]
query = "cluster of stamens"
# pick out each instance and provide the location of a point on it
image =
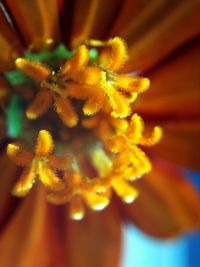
(107, 110)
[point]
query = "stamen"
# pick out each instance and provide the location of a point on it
(90, 90)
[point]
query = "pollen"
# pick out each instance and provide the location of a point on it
(101, 138)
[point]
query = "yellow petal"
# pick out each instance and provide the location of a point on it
(40, 104)
(25, 183)
(94, 103)
(77, 62)
(44, 144)
(118, 55)
(118, 102)
(49, 178)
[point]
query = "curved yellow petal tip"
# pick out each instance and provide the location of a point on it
(44, 143)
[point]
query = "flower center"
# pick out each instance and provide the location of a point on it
(97, 136)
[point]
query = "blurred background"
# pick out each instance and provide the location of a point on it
(143, 251)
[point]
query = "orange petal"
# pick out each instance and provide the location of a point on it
(9, 173)
(157, 29)
(167, 204)
(9, 44)
(92, 27)
(180, 143)
(95, 240)
(37, 20)
(174, 90)
(27, 239)
(40, 104)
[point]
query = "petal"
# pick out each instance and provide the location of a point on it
(59, 162)
(94, 103)
(93, 26)
(25, 183)
(9, 44)
(158, 28)
(180, 143)
(174, 90)
(95, 240)
(37, 20)
(167, 204)
(34, 70)
(19, 155)
(9, 173)
(50, 179)
(45, 144)
(40, 104)
(66, 111)
(27, 239)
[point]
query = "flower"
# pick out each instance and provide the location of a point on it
(159, 49)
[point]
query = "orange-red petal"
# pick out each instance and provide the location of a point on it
(174, 90)
(158, 29)
(167, 204)
(9, 172)
(93, 10)
(180, 143)
(24, 241)
(95, 240)
(37, 20)
(10, 46)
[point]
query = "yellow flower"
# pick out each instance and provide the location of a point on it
(108, 135)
